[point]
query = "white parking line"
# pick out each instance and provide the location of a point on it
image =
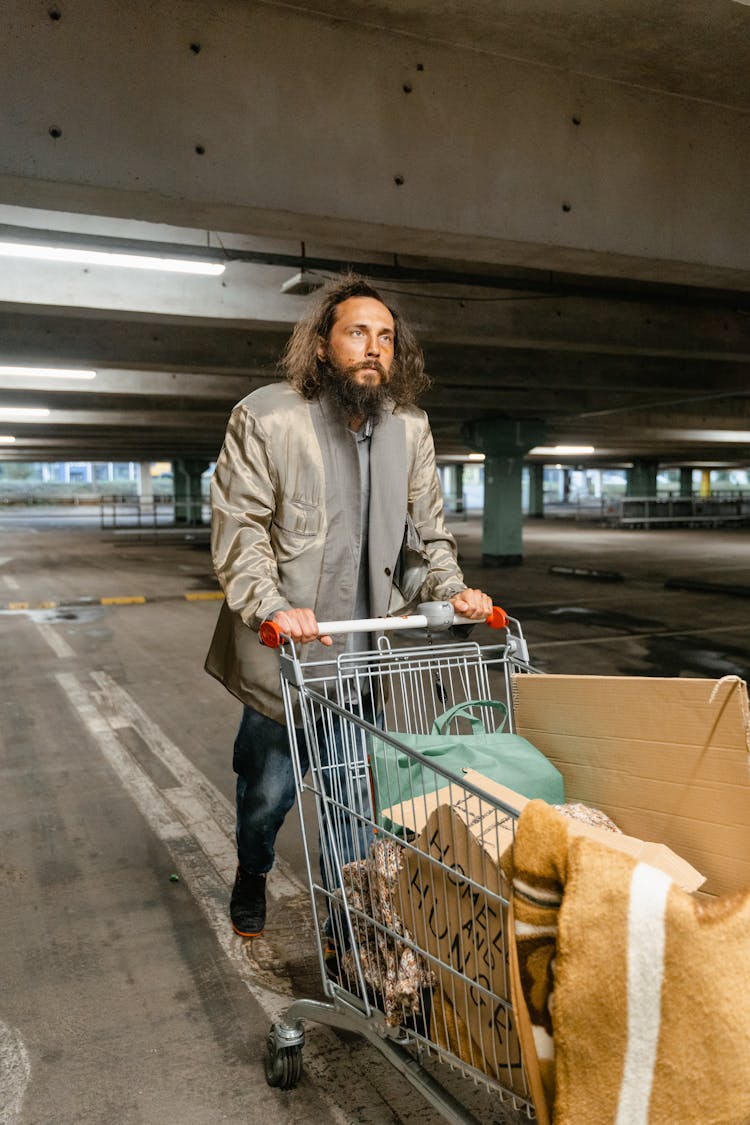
(197, 800)
(618, 638)
(15, 1071)
(197, 869)
(58, 644)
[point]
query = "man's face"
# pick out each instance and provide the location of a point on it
(361, 342)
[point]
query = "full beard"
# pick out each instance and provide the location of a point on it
(353, 399)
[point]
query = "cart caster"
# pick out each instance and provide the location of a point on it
(284, 1055)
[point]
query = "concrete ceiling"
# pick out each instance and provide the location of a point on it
(687, 47)
(642, 356)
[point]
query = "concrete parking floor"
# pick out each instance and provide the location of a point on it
(125, 994)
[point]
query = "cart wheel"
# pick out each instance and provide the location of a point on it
(283, 1064)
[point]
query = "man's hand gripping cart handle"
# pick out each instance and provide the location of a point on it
(434, 616)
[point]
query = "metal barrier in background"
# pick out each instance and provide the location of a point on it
(677, 511)
(151, 513)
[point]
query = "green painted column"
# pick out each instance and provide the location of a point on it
(458, 486)
(641, 479)
(686, 482)
(504, 443)
(188, 496)
(536, 490)
(454, 487)
(180, 491)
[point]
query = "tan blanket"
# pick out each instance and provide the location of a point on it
(638, 994)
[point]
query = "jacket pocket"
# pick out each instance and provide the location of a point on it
(413, 564)
(295, 526)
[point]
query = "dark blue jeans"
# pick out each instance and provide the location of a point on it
(266, 790)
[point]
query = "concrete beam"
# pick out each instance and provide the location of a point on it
(537, 166)
(127, 381)
(90, 338)
(182, 420)
(252, 302)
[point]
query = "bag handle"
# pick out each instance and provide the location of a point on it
(461, 709)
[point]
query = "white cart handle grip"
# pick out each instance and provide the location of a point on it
(433, 615)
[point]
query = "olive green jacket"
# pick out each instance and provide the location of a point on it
(284, 525)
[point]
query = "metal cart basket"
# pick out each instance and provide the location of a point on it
(412, 936)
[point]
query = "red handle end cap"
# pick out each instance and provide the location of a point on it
(270, 634)
(498, 619)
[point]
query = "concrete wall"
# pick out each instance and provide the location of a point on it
(316, 128)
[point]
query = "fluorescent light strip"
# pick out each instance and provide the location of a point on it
(562, 450)
(108, 258)
(47, 372)
(6, 439)
(8, 412)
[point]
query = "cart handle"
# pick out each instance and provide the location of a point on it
(434, 615)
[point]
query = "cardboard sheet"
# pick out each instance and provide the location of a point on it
(666, 759)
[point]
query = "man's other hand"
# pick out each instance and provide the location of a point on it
(473, 604)
(301, 625)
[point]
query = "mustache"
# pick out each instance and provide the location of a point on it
(367, 365)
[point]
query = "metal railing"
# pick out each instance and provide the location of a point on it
(151, 513)
(677, 511)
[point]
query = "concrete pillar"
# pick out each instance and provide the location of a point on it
(188, 496)
(641, 479)
(145, 483)
(504, 443)
(705, 482)
(536, 491)
(686, 482)
(453, 486)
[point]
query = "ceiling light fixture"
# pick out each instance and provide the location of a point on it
(6, 439)
(108, 258)
(476, 457)
(23, 412)
(301, 284)
(47, 372)
(562, 450)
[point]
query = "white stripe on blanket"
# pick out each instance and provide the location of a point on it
(649, 889)
(537, 894)
(527, 929)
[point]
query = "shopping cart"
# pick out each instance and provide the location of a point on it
(411, 906)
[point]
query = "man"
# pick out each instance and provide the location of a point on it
(325, 505)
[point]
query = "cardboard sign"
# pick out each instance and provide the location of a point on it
(492, 828)
(453, 904)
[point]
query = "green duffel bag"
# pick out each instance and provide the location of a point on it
(507, 759)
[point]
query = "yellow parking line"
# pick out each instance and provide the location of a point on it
(131, 599)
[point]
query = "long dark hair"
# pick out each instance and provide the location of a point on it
(305, 371)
